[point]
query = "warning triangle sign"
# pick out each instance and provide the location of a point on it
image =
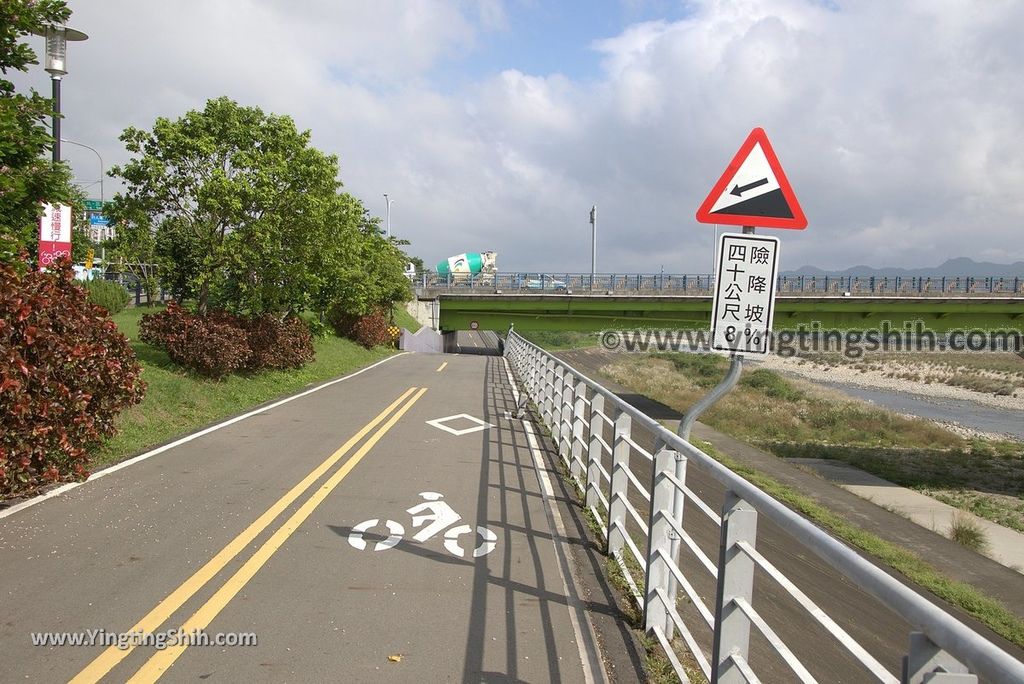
(754, 190)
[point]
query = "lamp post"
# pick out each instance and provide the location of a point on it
(387, 214)
(593, 246)
(57, 38)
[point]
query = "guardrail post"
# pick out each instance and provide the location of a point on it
(735, 580)
(565, 411)
(578, 428)
(547, 391)
(659, 545)
(619, 484)
(927, 662)
(557, 379)
(594, 450)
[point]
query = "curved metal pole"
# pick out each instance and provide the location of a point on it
(103, 168)
(706, 402)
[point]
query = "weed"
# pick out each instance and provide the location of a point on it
(772, 385)
(967, 532)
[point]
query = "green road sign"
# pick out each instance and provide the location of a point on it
(94, 205)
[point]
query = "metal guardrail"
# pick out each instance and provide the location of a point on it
(579, 412)
(703, 284)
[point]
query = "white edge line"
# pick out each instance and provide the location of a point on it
(593, 666)
(589, 664)
(187, 438)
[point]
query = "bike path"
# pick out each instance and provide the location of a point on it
(107, 554)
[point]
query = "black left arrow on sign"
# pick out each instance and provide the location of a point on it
(738, 190)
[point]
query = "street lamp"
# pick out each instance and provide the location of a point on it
(387, 220)
(104, 230)
(102, 167)
(56, 58)
(593, 246)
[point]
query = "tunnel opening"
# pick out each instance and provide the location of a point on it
(481, 342)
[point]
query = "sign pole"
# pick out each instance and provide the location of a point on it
(730, 380)
(686, 425)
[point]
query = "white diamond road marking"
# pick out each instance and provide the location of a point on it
(439, 424)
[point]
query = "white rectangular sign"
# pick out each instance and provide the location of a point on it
(55, 224)
(745, 280)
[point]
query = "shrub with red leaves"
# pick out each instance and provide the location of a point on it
(65, 374)
(221, 343)
(370, 330)
(213, 345)
(279, 344)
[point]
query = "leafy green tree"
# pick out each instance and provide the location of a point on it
(27, 174)
(134, 247)
(420, 266)
(365, 270)
(236, 201)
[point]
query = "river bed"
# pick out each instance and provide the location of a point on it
(968, 414)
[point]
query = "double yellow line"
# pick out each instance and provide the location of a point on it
(162, 660)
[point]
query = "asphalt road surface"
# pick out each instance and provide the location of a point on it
(354, 538)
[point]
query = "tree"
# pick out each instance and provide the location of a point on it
(26, 175)
(418, 263)
(235, 202)
(365, 271)
(134, 247)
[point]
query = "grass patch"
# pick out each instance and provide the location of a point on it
(178, 402)
(404, 319)
(960, 594)
(1005, 510)
(767, 408)
(797, 419)
(560, 340)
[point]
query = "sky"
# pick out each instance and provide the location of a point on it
(497, 124)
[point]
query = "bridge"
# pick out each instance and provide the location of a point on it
(577, 302)
(440, 517)
(658, 284)
(585, 312)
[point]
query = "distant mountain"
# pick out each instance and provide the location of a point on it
(961, 266)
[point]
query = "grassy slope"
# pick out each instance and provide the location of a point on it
(404, 319)
(178, 402)
(961, 594)
(795, 419)
(555, 340)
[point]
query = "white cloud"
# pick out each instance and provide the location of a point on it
(896, 122)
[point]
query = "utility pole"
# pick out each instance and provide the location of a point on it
(593, 247)
(387, 214)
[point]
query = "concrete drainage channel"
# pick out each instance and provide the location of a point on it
(482, 342)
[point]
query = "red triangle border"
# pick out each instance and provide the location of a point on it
(798, 222)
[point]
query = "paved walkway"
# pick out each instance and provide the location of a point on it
(395, 526)
(1004, 545)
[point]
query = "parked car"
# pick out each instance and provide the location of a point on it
(541, 281)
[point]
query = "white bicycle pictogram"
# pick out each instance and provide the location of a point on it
(434, 516)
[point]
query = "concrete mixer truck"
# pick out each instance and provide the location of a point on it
(478, 266)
